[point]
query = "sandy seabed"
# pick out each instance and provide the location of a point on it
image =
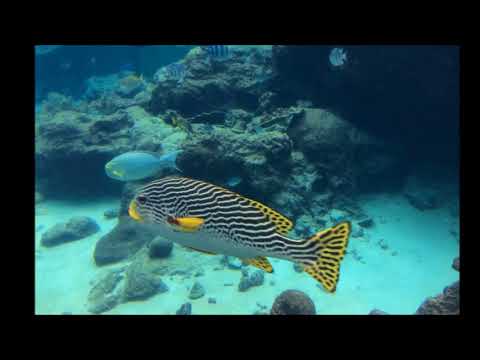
(415, 264)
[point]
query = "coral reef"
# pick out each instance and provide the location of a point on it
(75, 229)
(293, 302)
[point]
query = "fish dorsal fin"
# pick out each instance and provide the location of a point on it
(260, 262)
(282, 224)
(201, 251)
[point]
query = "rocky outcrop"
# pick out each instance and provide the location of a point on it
(447, 303)
(126, 238)
(210, 84)
(75, 229)
(367, 90)
(293, 302)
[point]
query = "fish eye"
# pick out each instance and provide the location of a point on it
(142, 200)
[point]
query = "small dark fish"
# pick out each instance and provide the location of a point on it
(176, 71)
(217, 51)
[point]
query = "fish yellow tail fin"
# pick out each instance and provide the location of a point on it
(328, 247)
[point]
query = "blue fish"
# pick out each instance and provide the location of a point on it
(338, 57)
(137, 165)
(39, 227)
(176, 72)
(217, 51)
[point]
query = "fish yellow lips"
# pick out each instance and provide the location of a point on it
(186, 224)
(132, 211)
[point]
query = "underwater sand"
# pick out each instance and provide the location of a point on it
(395, 284)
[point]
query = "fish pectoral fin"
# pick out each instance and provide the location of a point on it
(260, 262)
(201, 251)
(189, 224)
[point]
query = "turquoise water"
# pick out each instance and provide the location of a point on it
(321, 141)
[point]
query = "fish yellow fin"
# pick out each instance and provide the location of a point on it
(260, 262)
(333, 244)
(282, 224)
(188, 224)
(201, 251)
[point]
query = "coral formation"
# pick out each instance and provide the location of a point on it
(293, 302)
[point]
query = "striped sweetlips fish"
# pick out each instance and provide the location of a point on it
(214, 220)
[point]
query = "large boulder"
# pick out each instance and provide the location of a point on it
(236, 82)
(76, 228)
(346, 157)
(126, 239)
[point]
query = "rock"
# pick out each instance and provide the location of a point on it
(249, 280)
(377, 312)
(106, 293)
(367, 87)
(160, 247)
(456, 264)
(293, 302)
(125, 239)
(111, 213)
(447, 303)
(422, 201)
(75, 229)
(140, 284)
(197, 291)
(366, 223)
(383, 245)
(185, 309)
(212, 301)
(80, 144)
(357, 231)
(236, 82)
(260, 159)
(232, 262)
(337, 216)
